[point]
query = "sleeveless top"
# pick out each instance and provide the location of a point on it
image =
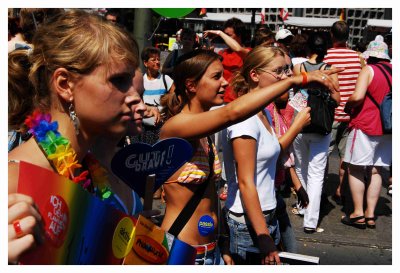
(197, 169)
(366, 117)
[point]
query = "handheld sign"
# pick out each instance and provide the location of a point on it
(133, 163)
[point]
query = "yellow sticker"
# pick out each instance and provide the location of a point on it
(123, 238)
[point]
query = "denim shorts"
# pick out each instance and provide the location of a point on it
(243, 238)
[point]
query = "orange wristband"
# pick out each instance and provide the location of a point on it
(305, 81)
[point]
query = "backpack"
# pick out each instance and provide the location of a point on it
(385, 108)
(322, 105)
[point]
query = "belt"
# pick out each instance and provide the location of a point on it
(242, 217)
(201, 249)
(265, 212)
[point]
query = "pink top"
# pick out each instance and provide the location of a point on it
(281, 119)
(366, 117)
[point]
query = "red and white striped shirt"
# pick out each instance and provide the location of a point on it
(350, 60)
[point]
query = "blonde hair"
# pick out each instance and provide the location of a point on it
(259, 57)
(32, 18)
(77, 41)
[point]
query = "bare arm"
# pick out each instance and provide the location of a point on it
(152, 111)
(363, 81)
(335, 95)
(302, 119)
(244, 151)
(182, 125)
(235, 46)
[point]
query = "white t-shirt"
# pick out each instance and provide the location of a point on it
(268, 150)
(153, 90)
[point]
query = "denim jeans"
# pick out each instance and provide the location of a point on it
(242, 237)
(285, 227)
(212, 257)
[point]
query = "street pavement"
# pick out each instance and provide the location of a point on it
(340, 244)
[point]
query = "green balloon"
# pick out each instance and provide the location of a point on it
(173, 12)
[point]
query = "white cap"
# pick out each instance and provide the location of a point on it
(282, 34)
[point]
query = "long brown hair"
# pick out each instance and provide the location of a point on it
(191, 66)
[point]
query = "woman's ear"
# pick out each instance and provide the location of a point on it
(63, 83)
(254, 75)
(190, 85)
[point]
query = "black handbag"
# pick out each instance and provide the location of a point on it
(322, 112)
(322, 105)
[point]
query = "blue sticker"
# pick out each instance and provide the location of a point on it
(133, 163)
(205, 225)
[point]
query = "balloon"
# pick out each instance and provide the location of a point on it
(173, 12)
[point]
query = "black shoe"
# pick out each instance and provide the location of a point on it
(347, 220)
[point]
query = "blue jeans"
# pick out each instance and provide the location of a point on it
(285, 227)
(212, 257)
(243, 238)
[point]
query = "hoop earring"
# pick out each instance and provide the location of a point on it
(74, 118)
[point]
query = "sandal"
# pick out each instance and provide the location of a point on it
(389, 190)
(368, 219)
(347, 220)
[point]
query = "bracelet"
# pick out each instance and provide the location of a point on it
(305, 81)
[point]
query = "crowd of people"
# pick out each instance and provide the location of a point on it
(275, 111)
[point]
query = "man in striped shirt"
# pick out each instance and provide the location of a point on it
(341, 56)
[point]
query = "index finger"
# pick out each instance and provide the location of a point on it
(333, 70)
(277, 259)
(14, 198)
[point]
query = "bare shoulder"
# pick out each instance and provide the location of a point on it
(27, 152)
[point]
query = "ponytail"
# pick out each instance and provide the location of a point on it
(21, 93)
(172, 104)
(239, 84)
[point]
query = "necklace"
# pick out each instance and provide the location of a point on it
(62, 157)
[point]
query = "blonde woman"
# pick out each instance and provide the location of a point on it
(81, 71)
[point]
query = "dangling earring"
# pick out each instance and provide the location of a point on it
(74, 117)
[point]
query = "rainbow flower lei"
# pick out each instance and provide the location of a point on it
(62, 156)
